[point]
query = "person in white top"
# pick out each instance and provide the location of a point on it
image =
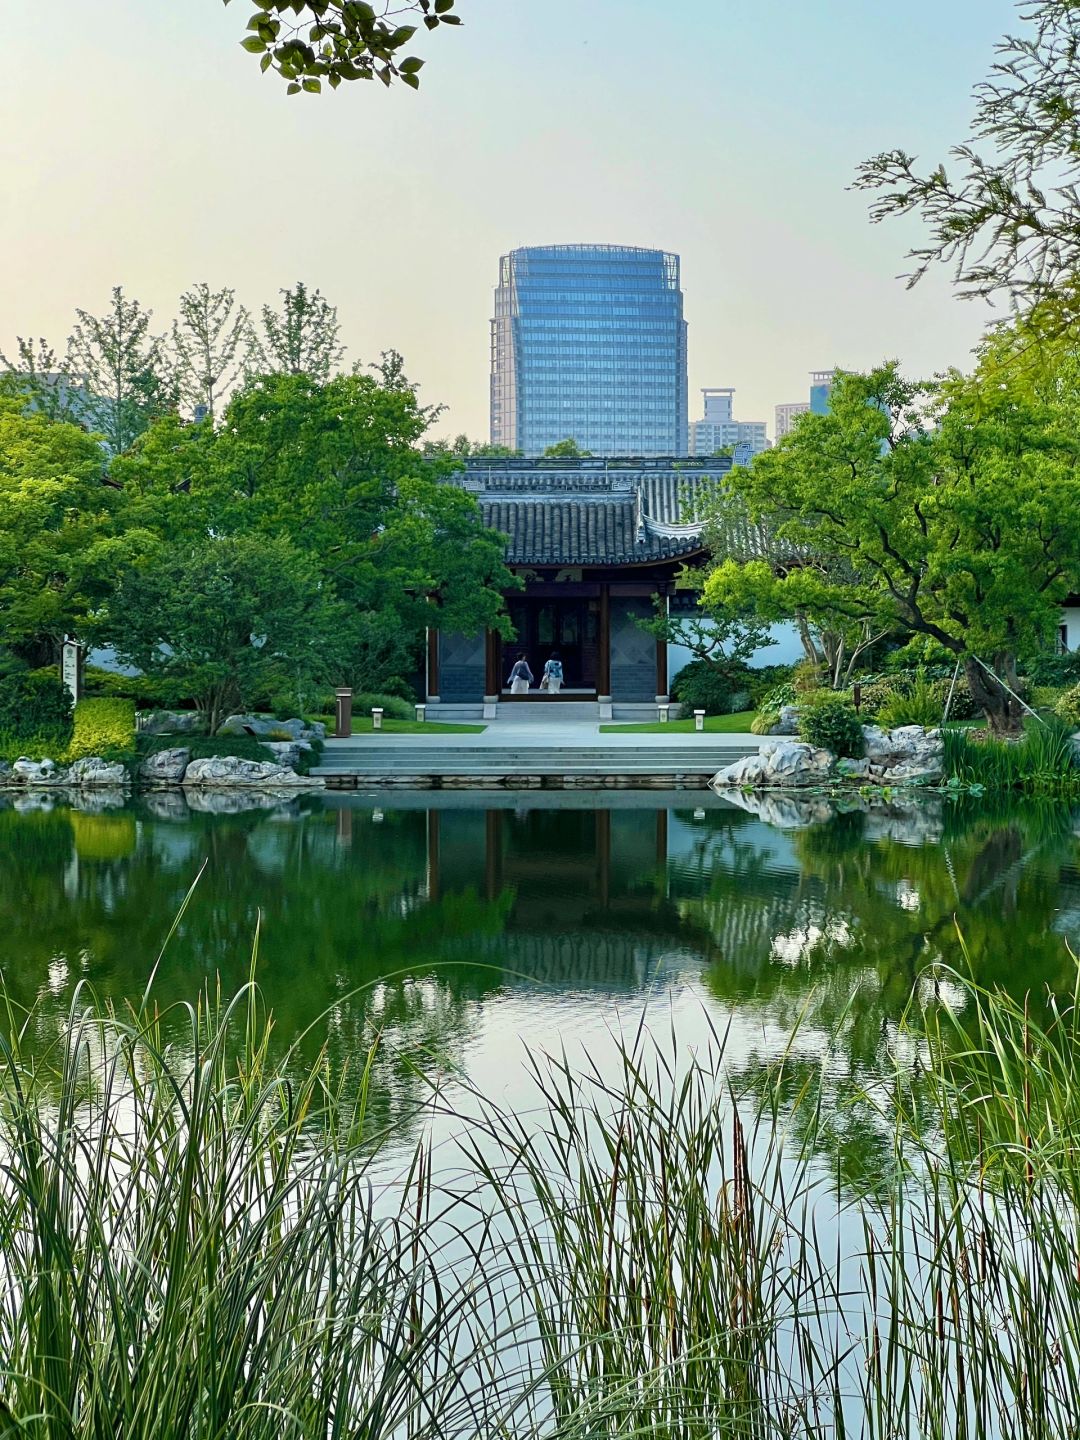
(553, 674)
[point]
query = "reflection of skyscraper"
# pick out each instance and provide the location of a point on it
(821, 383)
(589, 343)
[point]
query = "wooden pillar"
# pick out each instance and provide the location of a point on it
(662, 849)
(344, 826)
(603, 678)
(661, 663)
(433, 876)
(492, 684)
(433, 665)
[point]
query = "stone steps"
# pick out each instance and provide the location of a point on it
(375, 760)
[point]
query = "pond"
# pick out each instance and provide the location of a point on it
(465, 928)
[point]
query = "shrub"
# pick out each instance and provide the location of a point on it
(919, 705)
(702, 685)
(35, 703)
(775, 699)
(1056, 668)
(101, 727)
(874, 694)
(393, 706)
(831, 723)
(761, 679)
(806, 676)
(764, 721)
(1068, 707)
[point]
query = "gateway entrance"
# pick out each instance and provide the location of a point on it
(571, 626)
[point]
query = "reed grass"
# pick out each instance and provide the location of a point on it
(1044, 762)
(198, 1242)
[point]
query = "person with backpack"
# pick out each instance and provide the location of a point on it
(553, 674)
(521, 677)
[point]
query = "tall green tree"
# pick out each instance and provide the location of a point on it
(210, 343)
(299, 339)
(567, 449)
(122, 366)
(55, 513)
(947, 511)
(1004, 211)
(224, 620)
(336, 40)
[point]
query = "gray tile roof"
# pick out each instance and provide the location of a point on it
(580, 530)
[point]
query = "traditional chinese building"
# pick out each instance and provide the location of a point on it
(595, 541)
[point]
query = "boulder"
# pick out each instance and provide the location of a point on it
(878, 744)
(288, 752)
(165, 767)
(790, 762)
(262, 728)
(848, 769)
(785, 811)
(229, 770)
(93, 770)
(748, 770)
(172, 722)
(37, 772)
(911, 772)
(788, 723)
(239, 800)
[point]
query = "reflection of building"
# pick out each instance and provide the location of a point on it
(589, 907)
(785, 417)
(719, 430)
(588, 343)
(596, 542)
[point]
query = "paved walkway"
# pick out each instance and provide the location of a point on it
(549, 734)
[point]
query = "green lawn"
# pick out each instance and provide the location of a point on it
(714, 725)
(362, 725)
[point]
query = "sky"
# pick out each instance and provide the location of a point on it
(139, 145)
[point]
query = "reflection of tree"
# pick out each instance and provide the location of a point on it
(837, 950)
(348, 930)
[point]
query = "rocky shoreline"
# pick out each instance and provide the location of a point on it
(908, 755)
(288, 741)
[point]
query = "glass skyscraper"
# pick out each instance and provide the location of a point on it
(589, 343)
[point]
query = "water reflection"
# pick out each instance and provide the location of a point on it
(452, 927)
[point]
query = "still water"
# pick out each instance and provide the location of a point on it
(465, 928)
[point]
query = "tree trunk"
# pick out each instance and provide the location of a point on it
(1004, 713)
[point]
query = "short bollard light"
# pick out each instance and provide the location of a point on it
(421, 714)
(343, 713)
(376, 717)
(699, 719)
(662, 710)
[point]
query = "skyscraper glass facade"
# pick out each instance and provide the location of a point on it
(589, 343)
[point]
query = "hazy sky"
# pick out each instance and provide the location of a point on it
(139, 145)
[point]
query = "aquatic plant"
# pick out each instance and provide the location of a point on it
(196, 1242)
(1045, 761)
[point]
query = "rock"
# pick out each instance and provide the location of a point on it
(172, 722)
(238, 800)
(259, 726)
(748, 770)
(878, 744)
(788, 723)
(785, 812)
(165, 767)
(848, 769)
(93, 770)
(5, 773)
(790, 762)
(166, 805)
(288, 752)
(100, 797)
(910, 772)
(37, 772)
(228, 770)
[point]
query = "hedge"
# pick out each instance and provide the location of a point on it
(102, 726)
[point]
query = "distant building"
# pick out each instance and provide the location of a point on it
(785, 417)
(821, 383)
(719, 430)
(588, 343)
